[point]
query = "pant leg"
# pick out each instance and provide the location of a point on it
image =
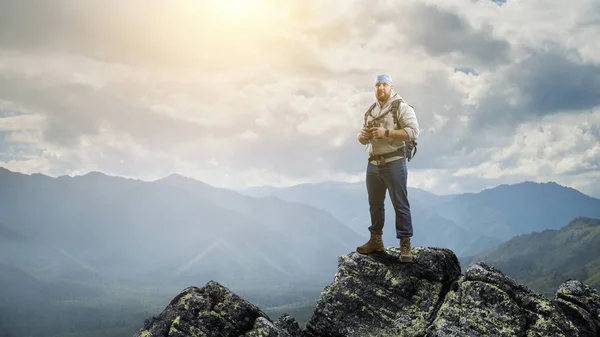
(396, 177)
(376, 189)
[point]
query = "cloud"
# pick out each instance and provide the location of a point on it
(276, 94)
(73, 110)
(12, 121)
(544, 83)
(196, 34)
(562, 147)
(448, 33)
(552, 83)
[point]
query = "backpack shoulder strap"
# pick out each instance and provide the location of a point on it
(369, 112)
(410, 147)
(396, 112)
(371, 108)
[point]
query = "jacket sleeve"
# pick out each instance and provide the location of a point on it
(408, 121)
(362, 125)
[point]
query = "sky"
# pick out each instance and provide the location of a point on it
(261, 92)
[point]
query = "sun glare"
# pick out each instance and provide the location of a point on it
(234, 6)
(237, 9)
(212, 34)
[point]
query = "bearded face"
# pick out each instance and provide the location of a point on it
(383, 91)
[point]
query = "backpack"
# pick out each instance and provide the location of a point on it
(410, 147)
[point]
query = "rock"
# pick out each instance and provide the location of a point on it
(581, 304)
(376, 294)
(289, 324)
(210, 311)
(486, 302)
(263, 327)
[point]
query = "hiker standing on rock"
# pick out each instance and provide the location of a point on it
(390, 128)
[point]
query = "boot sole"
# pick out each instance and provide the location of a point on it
(370, 252)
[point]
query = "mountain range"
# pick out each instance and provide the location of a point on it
(87, 238)
(543, 260)
(506, 211)
(465, 223)
(174, 230)
(348, 202)
(89, 243)
(177, 230)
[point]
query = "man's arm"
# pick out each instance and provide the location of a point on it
(407, 118)
(399, 135)
(410, 131)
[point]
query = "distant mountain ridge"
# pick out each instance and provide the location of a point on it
(9, 235)
(509, 210)
(543, 260)
(348, 202)
(173, 229)
(465, 223)
(89, 239)
(73, 235)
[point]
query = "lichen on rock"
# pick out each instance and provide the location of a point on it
(486, 302)
(581, 304)
(377, 295)
(289, 324)
(210, 311)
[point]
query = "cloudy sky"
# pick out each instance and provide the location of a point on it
(242, 93)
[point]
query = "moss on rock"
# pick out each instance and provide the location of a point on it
(376, 295)
(209, 311)
(489, 303)
(581, 304)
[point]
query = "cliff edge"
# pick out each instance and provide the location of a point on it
(376, 295)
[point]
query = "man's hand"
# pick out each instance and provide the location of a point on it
(377, 133)
(365, 134)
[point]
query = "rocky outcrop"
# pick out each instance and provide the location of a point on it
(485, 302)
(376, 295)
(581, 304)
(213, 311)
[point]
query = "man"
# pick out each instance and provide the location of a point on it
(386, 168)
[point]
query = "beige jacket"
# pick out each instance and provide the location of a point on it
(407, 120)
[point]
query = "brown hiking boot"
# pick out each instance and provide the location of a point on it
(375, 244)
(405, 251)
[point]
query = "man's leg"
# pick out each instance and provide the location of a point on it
(397, 183)
(398, 176)
(376, 190)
